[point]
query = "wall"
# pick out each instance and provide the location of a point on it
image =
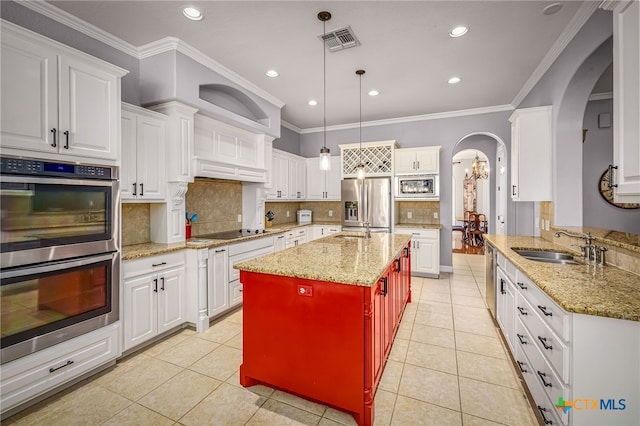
(20, 15)
(289, 141)
(597, 154)
(217, 202)
(440, 131)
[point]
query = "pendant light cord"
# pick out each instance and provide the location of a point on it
(361, 119)
(324, 83)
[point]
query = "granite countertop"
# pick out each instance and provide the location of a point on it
(418, 226)
(354, 261)
(583, 289)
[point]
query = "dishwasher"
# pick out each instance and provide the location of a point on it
(490, 274)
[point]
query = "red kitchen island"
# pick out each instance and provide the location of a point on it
(319, 319)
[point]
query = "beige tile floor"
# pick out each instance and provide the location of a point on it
(447, 367)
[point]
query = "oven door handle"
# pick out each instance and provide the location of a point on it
(53, 266)
(57, 181)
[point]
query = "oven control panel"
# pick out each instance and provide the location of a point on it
(44, 168)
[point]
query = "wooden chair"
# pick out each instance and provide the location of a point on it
(475, 230)
(466, 235)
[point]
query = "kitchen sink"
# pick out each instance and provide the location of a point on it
(349, 237)
(557, 257)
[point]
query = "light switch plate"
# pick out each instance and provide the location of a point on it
(330, 213)
(409, 215)
(287, 213)
(435, 215)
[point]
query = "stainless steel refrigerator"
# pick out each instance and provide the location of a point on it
(366, 200)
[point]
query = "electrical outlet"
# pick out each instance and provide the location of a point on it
(435, 215)
(546, 224)
(409, 215)
(239, 218)
(287, 213)
(330, 213)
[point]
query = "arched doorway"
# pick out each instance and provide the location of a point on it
(491, 192)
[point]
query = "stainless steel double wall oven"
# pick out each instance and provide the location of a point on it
(59, 252)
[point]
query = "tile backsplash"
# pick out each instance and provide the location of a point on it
(217, 202)
(321, 211)
(280, 210)
(136, 224)
(421, 212)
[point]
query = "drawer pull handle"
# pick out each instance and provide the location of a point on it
(159, 264)
(522, 311)
(520, 364)
(221, 250)
(522, 286)
(544, 382)
(542, 411)
(384, 286)
(543, 340)
(51, 370)
(544, 311)
(521, 339)
(502, 287)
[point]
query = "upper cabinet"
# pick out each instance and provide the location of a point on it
(417, 160)
(57, 101)
(626, 98)
(288, 177)
(323, 184)
(531, 135)
(227, 152)
(377, 158)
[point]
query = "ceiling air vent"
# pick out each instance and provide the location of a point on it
(343, 38)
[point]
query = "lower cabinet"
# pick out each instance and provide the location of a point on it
(425, 251)
(296, 236)
(43, 371)
(279, 242)
(585, 362)
(218, 280)
(321, 231)
(153, 297)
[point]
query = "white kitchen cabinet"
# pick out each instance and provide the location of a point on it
(142, 175)
(321, 231)
(288, 177)
(57, 100)
(417, 160)
(218, 281)
(425, 251)
(296, 236)
(31, 376)
(323, 184)
(297, 178)
(153, 297)
(227, 152)
(556, 351)
(241, 252)
(531, 164)
(626, 98)
(279, 242)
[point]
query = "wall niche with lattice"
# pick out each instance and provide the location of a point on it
(377, 158)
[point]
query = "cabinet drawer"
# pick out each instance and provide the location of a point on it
(542, 403)
(247, 246)
(235, 293)
(547, 378)
(552, 314)
(234, 274)
(32, 375)
(145, 265)
(552, 347)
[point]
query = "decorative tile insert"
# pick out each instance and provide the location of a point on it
(217, 202)
(136, 224)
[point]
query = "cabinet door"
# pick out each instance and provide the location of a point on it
(218, 291)
(316, 180)
(280, 176)
(279, 243)
(128, 169)
(405, 161)
(505, 306)
(29, 95)
(140, 317)
(378, 329)
(297, 179)
(333, 180)
(427, 161)
(89, 110)
(626, 95)
(171, 302)
(150, 158)
(426, 255)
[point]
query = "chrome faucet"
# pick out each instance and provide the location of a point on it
(590, 251)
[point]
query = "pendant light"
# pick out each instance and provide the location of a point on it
(325, 153)
(360, 168)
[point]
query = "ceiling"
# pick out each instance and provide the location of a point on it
(405, 49)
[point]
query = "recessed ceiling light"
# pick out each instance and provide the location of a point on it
(192, 13)
(454, 80)
(552, 8)
(373, 93)
(458, 31)
(272, 73)
(312, 102)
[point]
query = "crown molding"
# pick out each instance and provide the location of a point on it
(65, 18)
(290, 126)
(601, 96)
(575, 24)
(425, 117)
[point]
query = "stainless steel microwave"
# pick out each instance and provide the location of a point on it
(417, 187)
